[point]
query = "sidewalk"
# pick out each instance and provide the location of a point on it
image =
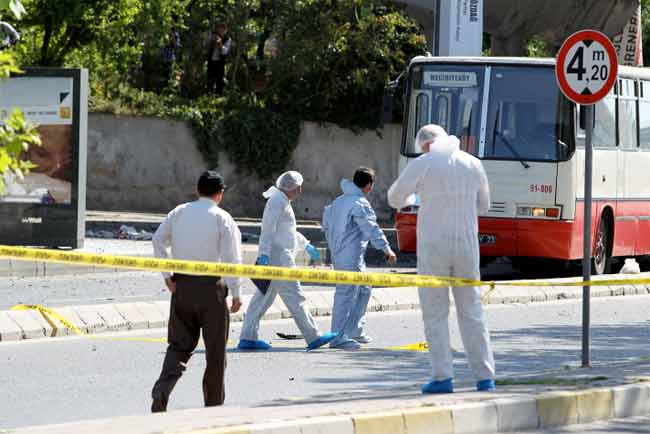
(549, 399)
(250, 228)
(14, 268)
(98, 221)
(98, 318)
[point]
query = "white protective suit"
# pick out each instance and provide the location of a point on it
(280, 241)
(452, 189)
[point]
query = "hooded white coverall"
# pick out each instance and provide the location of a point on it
(280, 241)
(453, 189)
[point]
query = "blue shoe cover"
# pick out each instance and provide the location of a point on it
(322, 340)
(245, 344)
(444, 386)
(486, 386)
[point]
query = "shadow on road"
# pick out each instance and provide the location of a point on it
(546, 357)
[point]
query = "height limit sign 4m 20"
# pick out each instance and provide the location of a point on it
(586, 67)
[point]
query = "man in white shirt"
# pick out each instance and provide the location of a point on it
(199, 231)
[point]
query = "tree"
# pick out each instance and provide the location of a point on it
(645, 31)
(59, 26)
(16, 135)
(335, 57)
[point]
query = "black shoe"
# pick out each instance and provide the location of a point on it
(158, 406)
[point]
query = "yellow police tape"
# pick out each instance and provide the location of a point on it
(420, 346)
(231, 270)
(278, 273)
(50, 316)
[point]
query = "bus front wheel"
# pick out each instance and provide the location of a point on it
(602, 259)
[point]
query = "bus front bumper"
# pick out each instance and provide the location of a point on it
(509, 237)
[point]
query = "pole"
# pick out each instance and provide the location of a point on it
(435, 42)
(586, 257)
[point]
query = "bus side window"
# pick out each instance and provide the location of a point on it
(605, 125)
(644, 114)
(627, 114)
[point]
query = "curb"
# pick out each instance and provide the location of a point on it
(98, 318)
(479, 414)
(546, 410)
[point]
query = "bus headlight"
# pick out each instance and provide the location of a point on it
(539, 212)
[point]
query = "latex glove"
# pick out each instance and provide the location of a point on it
(391, 257)
(313, 252)
(235, 305)
(263, 260)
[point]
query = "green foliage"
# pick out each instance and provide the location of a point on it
(330, 63)
(645, 30)
(336, 57)
(537, 47)
(15, 6)
(56, 27)
(8, 65)
(16, 136)
(259, 140)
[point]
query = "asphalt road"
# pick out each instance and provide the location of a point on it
(65, 379)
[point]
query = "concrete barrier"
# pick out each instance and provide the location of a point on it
(9, 330)
(524, 412)
(31, 326)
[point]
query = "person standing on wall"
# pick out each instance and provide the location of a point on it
(198, 231)
(219, 44)
(350, 224)
(453, 190)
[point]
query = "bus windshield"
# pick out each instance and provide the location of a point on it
(526, 119)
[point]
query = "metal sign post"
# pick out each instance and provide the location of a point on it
(586, 70)
(586, 244)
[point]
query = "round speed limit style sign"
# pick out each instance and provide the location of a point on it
(586, 67)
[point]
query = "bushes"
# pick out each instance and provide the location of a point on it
(292, 60)
(260, 141)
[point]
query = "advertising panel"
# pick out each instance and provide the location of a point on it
(46, 207)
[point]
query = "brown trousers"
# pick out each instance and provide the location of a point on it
(199, 304)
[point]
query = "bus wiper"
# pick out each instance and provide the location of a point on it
(512, 149)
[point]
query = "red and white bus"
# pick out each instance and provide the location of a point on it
(510, 113)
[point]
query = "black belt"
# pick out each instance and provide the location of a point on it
(197, 278)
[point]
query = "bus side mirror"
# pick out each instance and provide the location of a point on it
(387, 107)
(583, 118)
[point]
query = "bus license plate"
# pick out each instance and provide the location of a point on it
(488, 239)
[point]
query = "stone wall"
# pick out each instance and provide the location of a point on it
(151, 165)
